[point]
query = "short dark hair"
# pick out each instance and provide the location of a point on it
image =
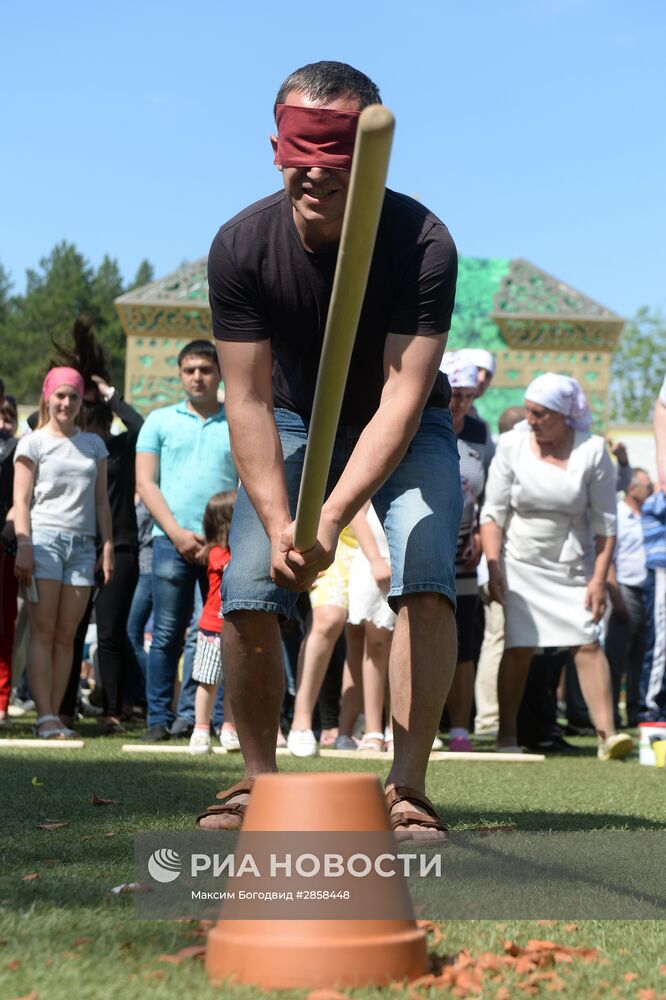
(200, 349)
(8, 408)
(324, 81)
(637, 471)
(510, 417)
(217, 518)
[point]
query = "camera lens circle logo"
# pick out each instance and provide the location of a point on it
(164, 865)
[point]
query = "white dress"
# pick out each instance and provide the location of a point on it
(549, 516)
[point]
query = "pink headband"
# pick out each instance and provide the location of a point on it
(62, 376)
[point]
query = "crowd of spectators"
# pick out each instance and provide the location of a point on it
(114, 542)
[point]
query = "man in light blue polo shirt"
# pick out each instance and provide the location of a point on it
(183, 457)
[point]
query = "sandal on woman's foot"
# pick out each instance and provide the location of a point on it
(373, 742)
(228, 815)
(58, 733)
(412, 824)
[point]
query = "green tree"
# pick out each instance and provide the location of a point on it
(107, 285)
(6, 285)
(637, 368)
(63, 287)
(144, 275)
(57, 292)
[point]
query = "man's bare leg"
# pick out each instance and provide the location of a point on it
(421, 666)
(254, 676)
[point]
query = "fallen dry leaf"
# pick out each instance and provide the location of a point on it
(28, 996)
(571, 927)
(630, 977)
(662, 970)
(80, 941)
(95, 800)
(14, 965)
(646, 995)
(172, 959)
(503, 994)
(157, 974)
(30, 878)
(51, 825)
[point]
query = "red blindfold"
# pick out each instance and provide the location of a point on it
(315, 137)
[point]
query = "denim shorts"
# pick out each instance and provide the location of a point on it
(420, 506)
(64, 556)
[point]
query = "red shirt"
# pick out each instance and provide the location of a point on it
(210, 619)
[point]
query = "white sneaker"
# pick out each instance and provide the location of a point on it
(200, 742)
(302, 743)
(229, 740)
(437, 744)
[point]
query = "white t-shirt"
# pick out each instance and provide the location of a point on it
(63, 497)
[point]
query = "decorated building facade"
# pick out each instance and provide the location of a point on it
(531, 321)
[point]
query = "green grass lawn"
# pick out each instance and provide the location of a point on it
(64, 935)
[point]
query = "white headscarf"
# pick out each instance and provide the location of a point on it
(461, 373)
(477, 356)
(563, 394)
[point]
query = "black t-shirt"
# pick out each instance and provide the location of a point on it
(265, 285)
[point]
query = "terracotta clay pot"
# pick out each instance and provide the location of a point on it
(306, 954)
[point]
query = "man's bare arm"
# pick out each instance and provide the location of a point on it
(247, 370)
(659, 424)
(410, 368)
(188, 543)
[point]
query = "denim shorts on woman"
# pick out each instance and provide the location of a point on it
(420, 506)
(61, 555)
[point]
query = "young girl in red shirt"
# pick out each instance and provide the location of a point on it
(207, 670)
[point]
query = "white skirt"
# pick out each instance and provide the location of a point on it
(546, 606)
(367, 603)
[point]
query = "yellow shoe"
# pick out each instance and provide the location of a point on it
(615, 747)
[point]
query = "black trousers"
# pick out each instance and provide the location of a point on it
(112, 604)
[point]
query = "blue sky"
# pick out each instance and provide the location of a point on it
(534, 128)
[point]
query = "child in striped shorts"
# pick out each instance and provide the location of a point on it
(207, 670)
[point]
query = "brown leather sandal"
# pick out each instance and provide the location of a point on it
(403, 823)
(235, 809)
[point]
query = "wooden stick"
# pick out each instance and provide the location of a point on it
(357, 241)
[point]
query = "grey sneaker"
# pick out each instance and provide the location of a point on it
(344, 743)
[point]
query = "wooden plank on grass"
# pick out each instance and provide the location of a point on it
(439, 755)
(184, 748)
(41, 744)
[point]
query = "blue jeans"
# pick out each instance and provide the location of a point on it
(420, 505)
(653, 672)
(174, 583)
(142, 605)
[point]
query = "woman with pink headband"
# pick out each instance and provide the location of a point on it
(548, 532)
(60, 505)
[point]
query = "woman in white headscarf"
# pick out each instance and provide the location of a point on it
(548, 531)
